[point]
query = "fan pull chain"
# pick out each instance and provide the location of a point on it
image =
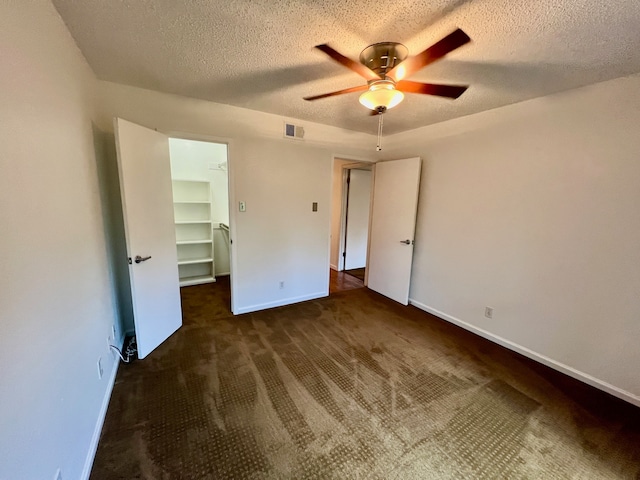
(379, 146)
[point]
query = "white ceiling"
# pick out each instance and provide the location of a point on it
(259, 54)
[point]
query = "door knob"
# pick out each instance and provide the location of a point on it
(406, 242)
(140, 259)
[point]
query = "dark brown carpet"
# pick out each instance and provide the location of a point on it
(352, 386)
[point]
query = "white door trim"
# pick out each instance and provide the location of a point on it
(343, 211)
(232, 148)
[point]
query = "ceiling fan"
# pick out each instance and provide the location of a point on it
(385, 66)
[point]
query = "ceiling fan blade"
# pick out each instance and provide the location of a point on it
(434, 52)
(449, 91)
(357, 67)
(339, 92)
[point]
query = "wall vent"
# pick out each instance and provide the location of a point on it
(295, 132)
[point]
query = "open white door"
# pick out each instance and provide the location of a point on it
(147, 203)
(393, 224)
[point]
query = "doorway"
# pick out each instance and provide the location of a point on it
(355, 224)
(352, 186)
(200, 182)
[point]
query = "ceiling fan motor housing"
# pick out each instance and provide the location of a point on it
(382, 57)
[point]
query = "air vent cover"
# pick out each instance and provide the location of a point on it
(295, 132)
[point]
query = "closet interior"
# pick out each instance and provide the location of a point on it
(200, 183)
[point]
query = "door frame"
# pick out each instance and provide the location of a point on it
(352, 162)
(232, 148)
(344, 209)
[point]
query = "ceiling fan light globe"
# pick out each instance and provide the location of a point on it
(383, 97)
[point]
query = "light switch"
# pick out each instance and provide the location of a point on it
(314, 207)
(242, 206)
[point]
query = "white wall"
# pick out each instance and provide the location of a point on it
(202, 120)
(116, 245)
(533, 209)
(56, 304)
(278, 239)
(358, 219)
(193, 160)
(221, 251)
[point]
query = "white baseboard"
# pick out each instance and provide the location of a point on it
(95, 439)
(280, 303)
(333, 267)
(572, 372)
(223, 274)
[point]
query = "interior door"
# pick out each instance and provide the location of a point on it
(393, 224)
(147, 203)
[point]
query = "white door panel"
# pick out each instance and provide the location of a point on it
(147, 201)
(393, 222)
(358, 219)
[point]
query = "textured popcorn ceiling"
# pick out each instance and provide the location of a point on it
(259, 54)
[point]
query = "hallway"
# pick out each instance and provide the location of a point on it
(342, 281)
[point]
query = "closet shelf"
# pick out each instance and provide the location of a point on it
(192, 261)
(194, 235)
(194, 242)
(187, 281)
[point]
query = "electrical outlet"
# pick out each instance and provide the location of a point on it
(281, 285)
(488, 312)
(242, 206)
(100, 369)
(58, 475)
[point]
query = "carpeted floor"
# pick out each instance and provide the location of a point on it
(352, 386)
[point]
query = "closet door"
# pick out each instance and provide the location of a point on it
(147, 203)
